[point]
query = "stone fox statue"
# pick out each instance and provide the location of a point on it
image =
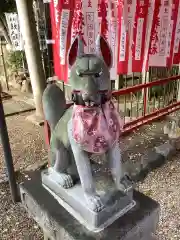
(91, 126)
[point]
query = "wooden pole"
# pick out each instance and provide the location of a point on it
(32, 51)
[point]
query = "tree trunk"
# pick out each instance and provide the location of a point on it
(4, 31)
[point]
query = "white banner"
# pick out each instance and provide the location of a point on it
(14, 31)
(159, 50)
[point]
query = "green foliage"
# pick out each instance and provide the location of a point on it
(15, 60)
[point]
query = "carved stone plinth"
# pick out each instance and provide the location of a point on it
(116, 203)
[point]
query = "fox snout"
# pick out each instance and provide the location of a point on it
(91, 99)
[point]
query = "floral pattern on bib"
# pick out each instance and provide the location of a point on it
(96, 129)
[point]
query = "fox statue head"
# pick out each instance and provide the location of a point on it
(90, 73)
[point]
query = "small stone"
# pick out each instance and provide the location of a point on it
(165, 149)
(36, 227)
(8, 219)
(172, 167)
(148, 192)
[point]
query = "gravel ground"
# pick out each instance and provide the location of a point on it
(14, 222)
(163, 186)
(28, 147)
(27, 142)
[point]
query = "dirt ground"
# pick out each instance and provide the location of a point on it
(27, 143)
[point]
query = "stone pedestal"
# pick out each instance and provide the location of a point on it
(138, 224)
(116, 203)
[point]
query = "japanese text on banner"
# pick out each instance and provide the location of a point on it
(123, 37)
(14, 31)
(159, 33)
(176, 58)
(87, 19)
(172, 32)
(139, 34)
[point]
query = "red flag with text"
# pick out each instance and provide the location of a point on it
(87, 18)
(141, 33)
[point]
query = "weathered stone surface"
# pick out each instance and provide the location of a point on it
(153, 160)
(166, 149)
(141, 175)
(149, 161)
(73, 200)
(26, 86)
(136, 171)
(58, 224)
(172, 128)
(175, 143)
(12, 107)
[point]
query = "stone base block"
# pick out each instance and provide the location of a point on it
(166, 150)
(73, 200)
(138, 224)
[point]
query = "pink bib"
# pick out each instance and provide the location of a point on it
(96, 129)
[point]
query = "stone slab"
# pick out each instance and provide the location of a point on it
(175, 142)
(149, 161)
(27, 98)
(153, 159)
(58, 224)
(166, 149)
(73, 200)
(12, 107)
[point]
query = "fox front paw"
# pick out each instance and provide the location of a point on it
(94, 202)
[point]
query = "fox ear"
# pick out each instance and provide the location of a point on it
(76, 50)
(104, 50)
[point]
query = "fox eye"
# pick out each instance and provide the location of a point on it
(98, 74)
(79, 74)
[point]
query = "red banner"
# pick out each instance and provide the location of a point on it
(171, 32)
(150, 18)
(87, 18)
(61, 17)
(54, 12)
(123, 37)
(159, 33)
(141, 33)
(176, 52)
